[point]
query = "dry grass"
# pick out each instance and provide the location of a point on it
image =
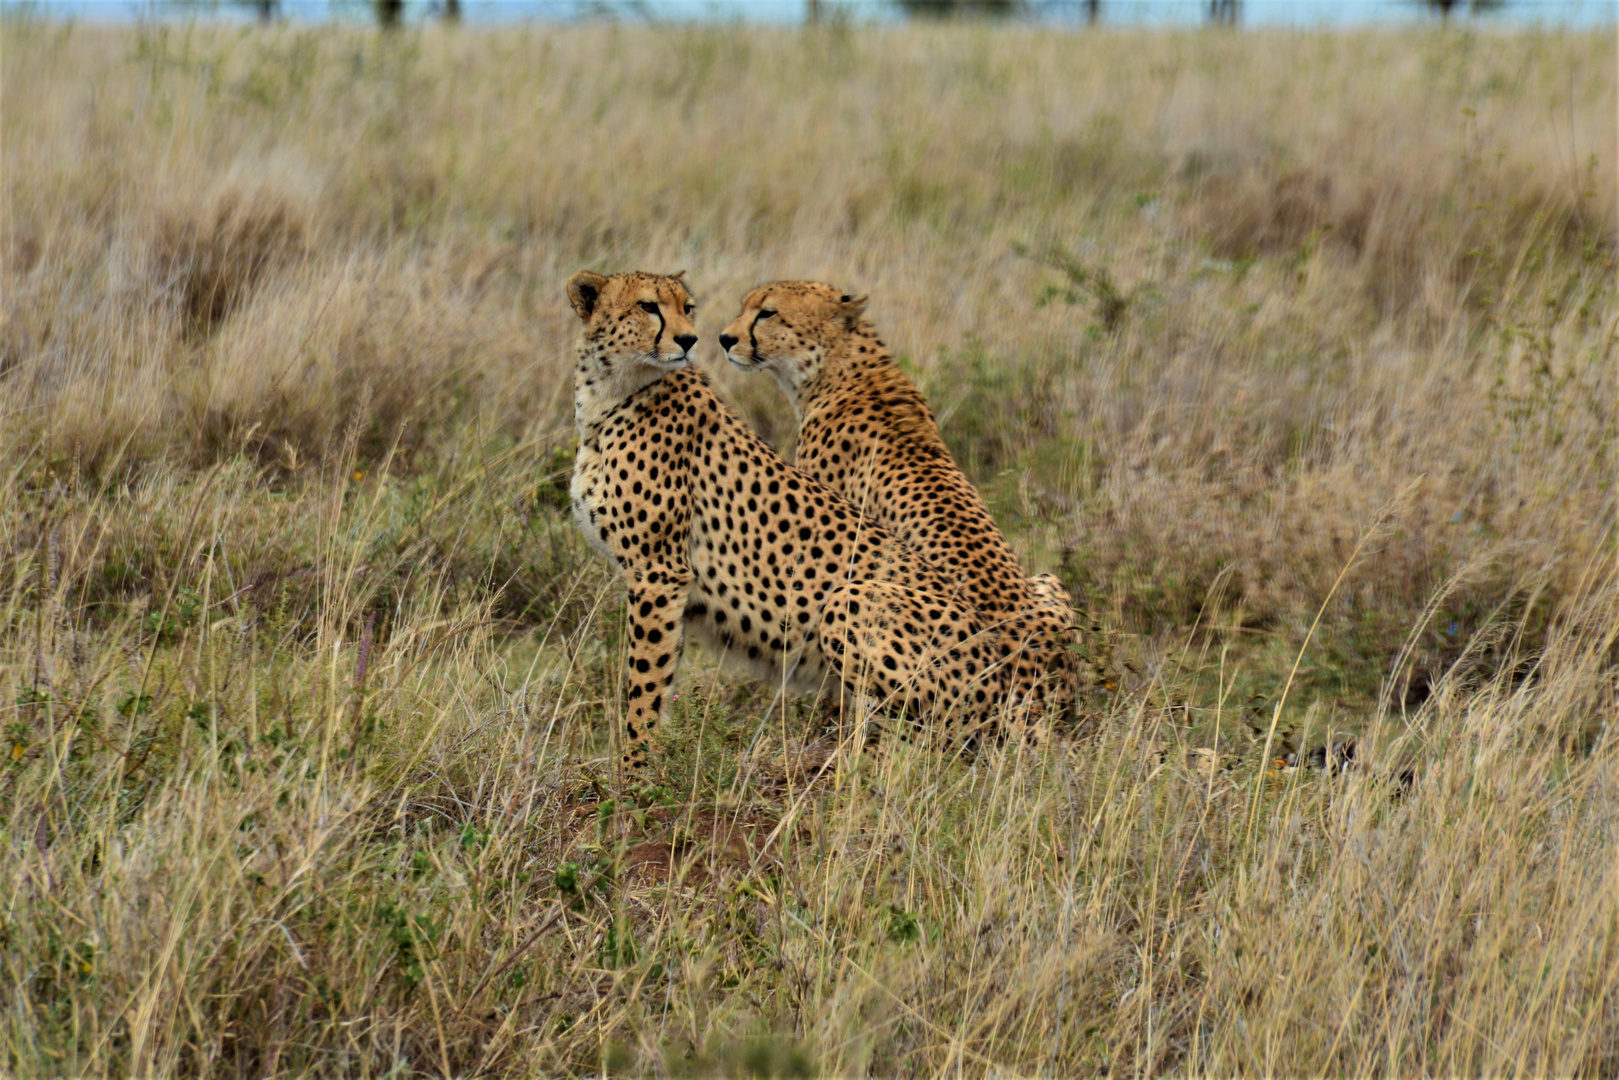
(1294, 351)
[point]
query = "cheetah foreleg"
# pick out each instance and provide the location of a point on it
(657, 599)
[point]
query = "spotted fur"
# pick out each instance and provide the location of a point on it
(716, 536)
(866, 432)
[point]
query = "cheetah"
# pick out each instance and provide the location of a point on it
(716, 536)
(866, 432)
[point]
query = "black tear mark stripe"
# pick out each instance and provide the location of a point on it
(657, 342)
(753, 338)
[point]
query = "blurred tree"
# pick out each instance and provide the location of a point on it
(266, 10)
(390, 13)
(947, 9)
(452, 10)
(1473, 7)
(1093, 12)
(1225, 12)
(812, 11)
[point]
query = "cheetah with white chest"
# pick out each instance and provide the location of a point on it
(866, 432)
(716, 535)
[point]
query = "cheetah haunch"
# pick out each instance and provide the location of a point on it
(866, 432)
(716, 535)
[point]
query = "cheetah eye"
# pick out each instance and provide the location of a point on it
(690, 308)
(649, 306)
(767, 314)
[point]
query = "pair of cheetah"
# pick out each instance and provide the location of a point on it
(872, 563)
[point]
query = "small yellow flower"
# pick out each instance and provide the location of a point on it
(359, 474)
(18, 750)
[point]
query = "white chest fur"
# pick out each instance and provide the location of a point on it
(588, 491)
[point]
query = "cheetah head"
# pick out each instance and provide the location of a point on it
(634, 321)
(788, 328)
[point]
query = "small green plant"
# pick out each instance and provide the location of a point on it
(618, 948)
(577, 882)
(1081, 280)
(903, 926)
(135, 704)
(413, 935)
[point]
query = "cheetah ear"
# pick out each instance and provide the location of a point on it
(850, 309)
(677, 275)
(584, 289)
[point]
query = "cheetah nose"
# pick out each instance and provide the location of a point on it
(726, 341)
(686, 341)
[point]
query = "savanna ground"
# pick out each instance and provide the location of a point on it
(1293, 352)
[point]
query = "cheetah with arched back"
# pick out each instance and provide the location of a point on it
(866, 432)
(717, 536)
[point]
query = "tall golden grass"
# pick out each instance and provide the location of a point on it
(1293, 351)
